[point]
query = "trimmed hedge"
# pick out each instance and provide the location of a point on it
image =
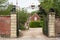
(34, 24)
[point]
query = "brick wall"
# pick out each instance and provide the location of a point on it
(5, 25)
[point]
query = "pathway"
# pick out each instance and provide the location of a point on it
(32, 34)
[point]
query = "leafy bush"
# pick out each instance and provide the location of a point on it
(34, 24)
(41, 23)
(22, 28)
(3, 1)
(22, 18)
(6, 11)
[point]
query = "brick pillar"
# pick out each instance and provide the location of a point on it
(51, 24)
(13, 26)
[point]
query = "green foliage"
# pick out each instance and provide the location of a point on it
(6, 11)
(34, 24)
(57, 8)
(55, 4)
(22, 17)
(3, 1)
(41, 23)
(47, 4)
(33, 12)
(22, 28)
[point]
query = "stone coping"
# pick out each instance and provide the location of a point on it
(5, 15)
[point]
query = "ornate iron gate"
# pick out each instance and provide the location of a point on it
(45, 27)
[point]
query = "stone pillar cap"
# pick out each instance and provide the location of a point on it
(53, 13)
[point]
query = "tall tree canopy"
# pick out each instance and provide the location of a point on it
(55, 4)
(6, 11)
(3, 1)
(57, 7)
(47, 4)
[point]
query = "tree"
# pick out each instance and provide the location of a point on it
(54, 4)
(47, 4)
(57, 7)
(2, 1)
(22, 17)
(6, 11)
(3, 4)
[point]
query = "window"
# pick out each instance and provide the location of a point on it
(35, 18)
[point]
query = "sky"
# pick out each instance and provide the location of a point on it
(25, 3)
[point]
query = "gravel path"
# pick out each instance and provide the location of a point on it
(32, 34)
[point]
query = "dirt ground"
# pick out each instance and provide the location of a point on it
(31, 34)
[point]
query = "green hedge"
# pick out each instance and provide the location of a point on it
(41, 23)
(22, 28)
(34, 24)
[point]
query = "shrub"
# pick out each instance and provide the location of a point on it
(22, 18)
(41, 23)
(6, 11)
(22, 28)
(34, 24)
